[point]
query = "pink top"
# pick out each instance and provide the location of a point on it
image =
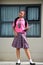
(20, 25)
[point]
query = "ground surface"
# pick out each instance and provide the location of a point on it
(22, 63)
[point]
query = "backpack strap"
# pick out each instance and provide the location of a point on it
(15, 21)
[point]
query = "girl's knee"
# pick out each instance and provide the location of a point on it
(17, 48)
(26, 49)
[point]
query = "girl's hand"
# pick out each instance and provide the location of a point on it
(15, 33)
(26, 29)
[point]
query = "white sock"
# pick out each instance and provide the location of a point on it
(18, 61)
(31, 61)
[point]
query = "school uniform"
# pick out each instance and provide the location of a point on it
(20, 40)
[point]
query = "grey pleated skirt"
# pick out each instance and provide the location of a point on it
(20, 41)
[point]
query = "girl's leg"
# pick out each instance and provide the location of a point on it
(28, 53)
(29, 56)
(18, 54)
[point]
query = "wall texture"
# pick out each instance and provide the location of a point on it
(7, 52)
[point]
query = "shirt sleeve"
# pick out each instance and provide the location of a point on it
(14, 22)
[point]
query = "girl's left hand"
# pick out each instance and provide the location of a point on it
(26, 29)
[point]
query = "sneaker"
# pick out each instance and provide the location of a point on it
(32, 64)
(17, 63)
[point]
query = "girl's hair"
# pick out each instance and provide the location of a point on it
(22, 11)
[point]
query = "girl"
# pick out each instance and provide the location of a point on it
(20, 26)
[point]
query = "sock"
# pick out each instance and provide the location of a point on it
(31, 61)
(18, 61)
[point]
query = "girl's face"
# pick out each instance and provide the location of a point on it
(22, 14)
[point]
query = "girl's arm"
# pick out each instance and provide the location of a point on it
(27, 27)
(15, 33)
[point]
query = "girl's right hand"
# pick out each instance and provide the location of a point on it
(16, 34)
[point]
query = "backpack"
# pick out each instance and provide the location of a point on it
(16, 21)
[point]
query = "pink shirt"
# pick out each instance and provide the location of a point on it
(20, 25)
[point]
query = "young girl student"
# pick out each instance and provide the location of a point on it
(20, 26)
